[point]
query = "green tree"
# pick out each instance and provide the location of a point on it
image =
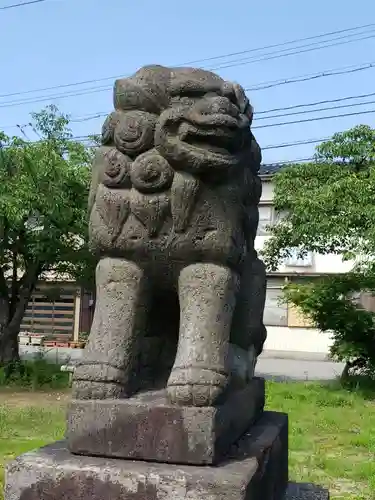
(327, 206)
(43, 199)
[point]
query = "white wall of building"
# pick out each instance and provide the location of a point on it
(267, 191)
(305, 340)
(315, 263)
(281, 337)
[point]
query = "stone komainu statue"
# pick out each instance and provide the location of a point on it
(173, 218)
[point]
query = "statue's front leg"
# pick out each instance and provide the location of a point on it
(207, 294)
(110, 357)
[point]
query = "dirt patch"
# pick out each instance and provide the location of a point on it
(13, 398)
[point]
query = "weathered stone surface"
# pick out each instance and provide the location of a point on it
(53, 473)
(173, 212)
(147, 427)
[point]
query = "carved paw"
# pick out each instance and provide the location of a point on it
(194, 395)
(196, 387)
(98, 390)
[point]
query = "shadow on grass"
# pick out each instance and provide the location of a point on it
(33, 375)
(306, 491)
(361, 385)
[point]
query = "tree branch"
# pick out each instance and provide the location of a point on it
(26, 287)
(14, 284)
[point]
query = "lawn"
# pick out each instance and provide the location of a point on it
(332, 432)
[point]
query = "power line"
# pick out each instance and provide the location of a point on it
(102, 114)
(55, 96)
(254, 88)
(273, 83)
(316, 103)
(100, 89)
(311, 76)
(86, 138)
(97, 80)
(295, 143)
(277, 56)
(314, 119)
(13, 6)
(322, 35)
(318, 110)
(261, 86)
(313, 44)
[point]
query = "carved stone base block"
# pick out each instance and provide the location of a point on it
(147, 427)
(255, 469)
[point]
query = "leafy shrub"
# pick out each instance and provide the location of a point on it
(37, 374)
(329, 303)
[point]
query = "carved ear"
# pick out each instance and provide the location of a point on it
(242, 100)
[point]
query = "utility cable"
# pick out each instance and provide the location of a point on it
(295, 143)
(275, 55)
(14, 5)
(114, 77)
(314, 119)
(246, 61)
(318, 110)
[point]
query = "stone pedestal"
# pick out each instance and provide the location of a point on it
(147, 427)
(256, 468)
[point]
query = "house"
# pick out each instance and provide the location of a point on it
(293, 268)
(54, 311)
(288, 329)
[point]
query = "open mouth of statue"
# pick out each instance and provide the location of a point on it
(220, 140)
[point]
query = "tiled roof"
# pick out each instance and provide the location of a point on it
(270, 168)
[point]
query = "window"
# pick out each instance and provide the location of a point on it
(279, 216)
(275, 312)
(295, 260)
(265, 219)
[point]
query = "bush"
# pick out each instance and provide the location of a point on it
(37, 374)
(329, 303)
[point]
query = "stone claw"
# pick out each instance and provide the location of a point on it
(193, 395)
(195, 387)
(98, 390)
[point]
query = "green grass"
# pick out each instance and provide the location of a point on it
(331, 436)
(27, 427)
(332, 433)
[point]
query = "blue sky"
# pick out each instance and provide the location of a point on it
(63, 41)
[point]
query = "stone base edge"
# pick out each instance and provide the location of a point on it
(255, 469)
(147, 427)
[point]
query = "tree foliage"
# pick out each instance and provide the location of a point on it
(330, 303)
(43, 199)
(329, 203)
(328, 207)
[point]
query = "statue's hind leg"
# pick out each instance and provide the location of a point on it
(207, 294)
(248, 330)
(109, 360)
